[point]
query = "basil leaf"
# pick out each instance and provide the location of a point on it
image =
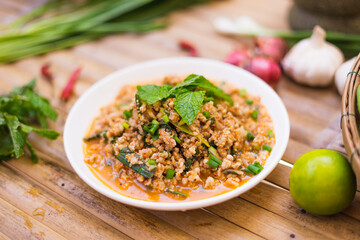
(153, 93)
(199, 81)
(188, 105)
(16, 136)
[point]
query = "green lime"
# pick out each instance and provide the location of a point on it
(322, 182)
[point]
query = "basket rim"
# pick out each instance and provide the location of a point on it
(349, 113)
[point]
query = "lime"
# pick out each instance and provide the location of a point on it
(322, 182)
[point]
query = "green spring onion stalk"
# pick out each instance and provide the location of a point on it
(246, 26)
(59, 24)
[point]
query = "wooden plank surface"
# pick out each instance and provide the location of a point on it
(56, 204)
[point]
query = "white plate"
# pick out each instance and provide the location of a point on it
(104, 92)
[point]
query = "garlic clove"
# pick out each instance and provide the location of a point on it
(313, 61)
(341, 74)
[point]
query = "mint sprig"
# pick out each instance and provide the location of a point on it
(198, 81)
(21, 107)
(189, 95)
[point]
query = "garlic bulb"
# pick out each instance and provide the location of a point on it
(313, 61)
(341, 74)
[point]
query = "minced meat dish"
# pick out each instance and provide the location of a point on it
(179, 139)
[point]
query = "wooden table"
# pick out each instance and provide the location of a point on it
(49, 201)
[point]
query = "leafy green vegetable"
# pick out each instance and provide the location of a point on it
(141, 169)
(153, 93)
(188, 105)
(21, 106)
(199, 81)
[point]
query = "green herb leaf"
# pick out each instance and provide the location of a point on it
(6, 146)
(47, 133)
(199, 81)
(34, 157)
(42, 105)
(188, 105)
(16, 137)
(22, 89)
(153, 93)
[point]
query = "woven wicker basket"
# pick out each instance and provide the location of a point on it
(350, 118)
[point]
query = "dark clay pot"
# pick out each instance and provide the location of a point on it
(331, 7)
(300, 19)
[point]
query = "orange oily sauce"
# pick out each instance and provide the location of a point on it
(134, 189)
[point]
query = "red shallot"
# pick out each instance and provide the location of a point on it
(265, 68)
(66, 93)
(238, 57)
(272, 47)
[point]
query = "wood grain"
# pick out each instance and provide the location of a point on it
(266, 211)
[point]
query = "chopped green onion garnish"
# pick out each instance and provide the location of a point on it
(254, 114)
(213, 162)
(127, 114)
(254, 169)
(125, 125)
(249, 102)
(206, 114)
(242, 92)
(155, 136)
(151, 127)
(151, 162)
(170, 173)
(270, 134)
(166, 119)
(250, 136)
(267, 148)
(212, 157)
(212, 150)
(176, 139)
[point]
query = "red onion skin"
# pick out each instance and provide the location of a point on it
(238, 57)
(272, 47)
(265, 68)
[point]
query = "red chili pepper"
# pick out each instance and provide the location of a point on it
(190, 48)
(46, 72)
(66, 93)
